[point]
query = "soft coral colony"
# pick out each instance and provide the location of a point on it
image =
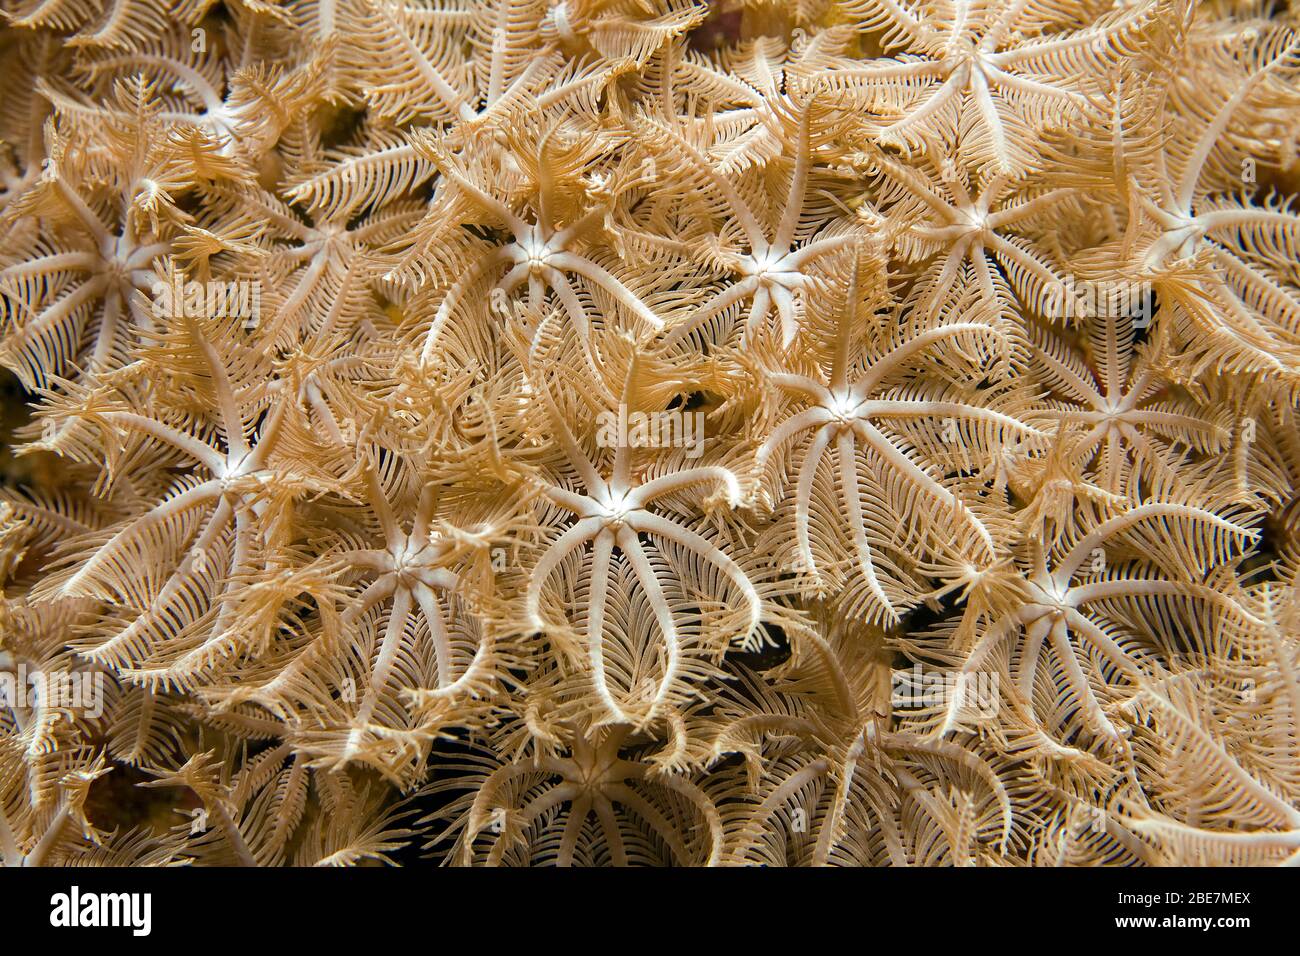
(854, 432)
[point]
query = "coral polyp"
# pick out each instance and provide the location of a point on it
(606, 433)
